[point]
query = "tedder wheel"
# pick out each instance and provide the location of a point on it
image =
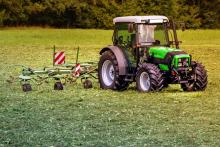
(26, 87)
(58, 86)
(108, 73)
(200, 79)
(87, 84)
(149, 78)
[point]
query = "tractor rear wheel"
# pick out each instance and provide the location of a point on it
(149, 78)
(108, 73)
(200, 79)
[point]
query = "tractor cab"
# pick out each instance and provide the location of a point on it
(144, 31)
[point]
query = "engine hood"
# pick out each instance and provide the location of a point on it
(161, 52)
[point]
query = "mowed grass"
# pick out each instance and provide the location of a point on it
(95, 117)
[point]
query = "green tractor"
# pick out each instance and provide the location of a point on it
(146, 50)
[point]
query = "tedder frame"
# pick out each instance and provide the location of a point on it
(61, 73)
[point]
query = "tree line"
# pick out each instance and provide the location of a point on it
(99, 13)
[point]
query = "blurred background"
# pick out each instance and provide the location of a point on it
(99, 13)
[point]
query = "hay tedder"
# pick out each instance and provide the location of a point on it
(60, 72)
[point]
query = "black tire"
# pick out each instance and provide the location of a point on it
(165, 85)
(87, 84)
(200, 79)
(153, 74)
(165, 82)
(58, 86)
(118, 82)
(26, 87)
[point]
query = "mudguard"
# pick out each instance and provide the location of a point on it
(120, 56)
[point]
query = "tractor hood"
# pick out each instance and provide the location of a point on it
(161, 52)
(168, 57)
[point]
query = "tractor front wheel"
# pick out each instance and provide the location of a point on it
(149, 78)
(108, 73)
(199, 81)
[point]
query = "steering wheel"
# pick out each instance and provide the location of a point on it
(157, 42)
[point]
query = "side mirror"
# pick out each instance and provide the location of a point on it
(181, 25)
(168, 25)
(130, 28)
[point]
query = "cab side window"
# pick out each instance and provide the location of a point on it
(123, 35)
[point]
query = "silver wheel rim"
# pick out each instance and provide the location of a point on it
(144, 81)
(108, 73)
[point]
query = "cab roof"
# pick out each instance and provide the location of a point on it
(141, 19)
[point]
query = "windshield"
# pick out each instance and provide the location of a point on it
(152, 34)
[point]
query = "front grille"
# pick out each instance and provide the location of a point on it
(183, 62)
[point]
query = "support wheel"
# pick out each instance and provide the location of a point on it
(87, 84)
(149, 78)
(26, 87)
(108, 73)
(200, 79)
(58, 86)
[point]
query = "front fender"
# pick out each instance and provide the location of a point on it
(120, 56)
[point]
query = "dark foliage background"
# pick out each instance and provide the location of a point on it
(99, 13)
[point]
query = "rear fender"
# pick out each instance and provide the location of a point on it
(120, 56)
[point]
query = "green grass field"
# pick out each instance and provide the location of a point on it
(95, 117)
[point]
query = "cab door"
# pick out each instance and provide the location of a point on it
(125, 38)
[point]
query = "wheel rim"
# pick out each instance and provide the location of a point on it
(144, 81)
(108, 73)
